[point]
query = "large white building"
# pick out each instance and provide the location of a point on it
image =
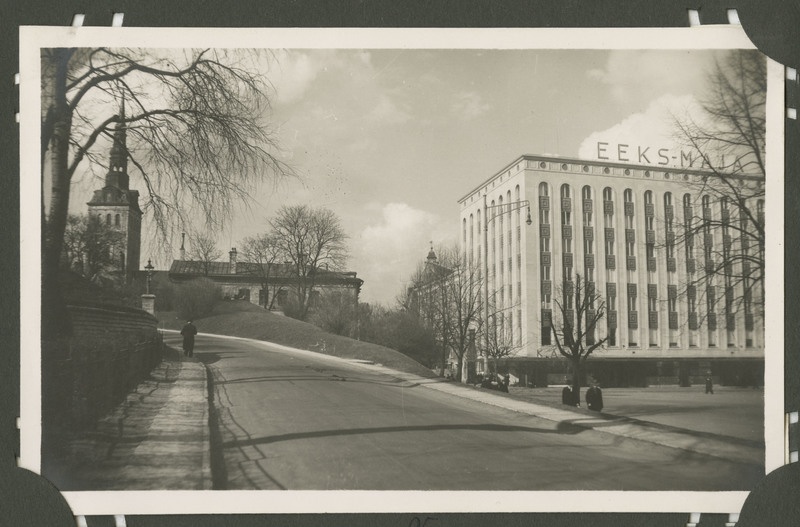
(622, 228)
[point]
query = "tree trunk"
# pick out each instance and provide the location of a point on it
(55, 319)
(459, 375)
(576, 380)
(444, 359)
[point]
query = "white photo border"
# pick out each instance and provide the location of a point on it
(34, 38)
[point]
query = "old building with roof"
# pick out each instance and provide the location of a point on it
(270, 285)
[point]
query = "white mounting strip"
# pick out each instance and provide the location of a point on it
(119, 520)
(733, 519)
(791, 113)
(694, 17)
(791, 74)
(17, 423)
(793, 417)
(16, 117)
(116, 20)
(793, 457)
(80, 521)
(733, 17)
(77, 20)
(16, 79)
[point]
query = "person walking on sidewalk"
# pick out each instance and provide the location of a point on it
(188, 332)
(709, 385)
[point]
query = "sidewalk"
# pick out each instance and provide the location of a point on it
(157, 439)
(730, 448)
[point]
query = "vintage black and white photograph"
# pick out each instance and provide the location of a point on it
(480, 264)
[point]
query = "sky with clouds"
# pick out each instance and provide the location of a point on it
(391, 139)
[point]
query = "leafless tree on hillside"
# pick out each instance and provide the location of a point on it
(314, 241)
(197, 133)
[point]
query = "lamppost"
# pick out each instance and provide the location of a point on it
(503, 208)
(149, 268)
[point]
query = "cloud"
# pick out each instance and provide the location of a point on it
(387, 111)
(389, 248)
(468, 105)
(651, 128)
(294, 72)
(635, 77)
(293, 75)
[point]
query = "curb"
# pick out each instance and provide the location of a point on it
(701, 443)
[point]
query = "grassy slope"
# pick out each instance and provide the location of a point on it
(243, 319)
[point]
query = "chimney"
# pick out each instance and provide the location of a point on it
(183, 249)
(233, 260)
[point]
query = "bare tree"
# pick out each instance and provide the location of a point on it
(196, 129)
(314, 241)
(722, 228)
(446, 293)
(92, 248)
(579, 310)
(500, 343)
(264, 257)
(203, 249)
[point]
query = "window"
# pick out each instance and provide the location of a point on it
(628, 195)
(116, 220)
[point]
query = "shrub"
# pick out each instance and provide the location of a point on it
(335, 314)
(196, 298)
(292, 308)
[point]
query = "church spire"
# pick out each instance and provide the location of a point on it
(431, 255)
(118, 159)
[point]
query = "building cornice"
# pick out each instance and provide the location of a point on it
(598, 163)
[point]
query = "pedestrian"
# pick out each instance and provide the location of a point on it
(506, 381)
(188, 332)
(594, 398)
(709, 385)
(566, 396)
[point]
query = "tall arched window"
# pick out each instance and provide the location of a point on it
(108, 219)
(566, 229)
(546, 263)
(116, 220)
(588, 232)
(611, 265)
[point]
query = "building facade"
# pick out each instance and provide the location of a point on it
(642, 237)
(117, 206)
(274, 287)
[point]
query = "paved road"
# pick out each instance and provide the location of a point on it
(730, 411)
(298, 420)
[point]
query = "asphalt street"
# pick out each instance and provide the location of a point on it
(284, 419)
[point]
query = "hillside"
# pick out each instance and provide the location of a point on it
(240, 318)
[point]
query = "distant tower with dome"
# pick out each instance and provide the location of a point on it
(117, 206)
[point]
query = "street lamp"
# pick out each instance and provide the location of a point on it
(149, 268)
(503, 209)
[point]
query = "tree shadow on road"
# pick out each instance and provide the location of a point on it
(561, 428)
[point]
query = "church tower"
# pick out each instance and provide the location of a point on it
(117, 206)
